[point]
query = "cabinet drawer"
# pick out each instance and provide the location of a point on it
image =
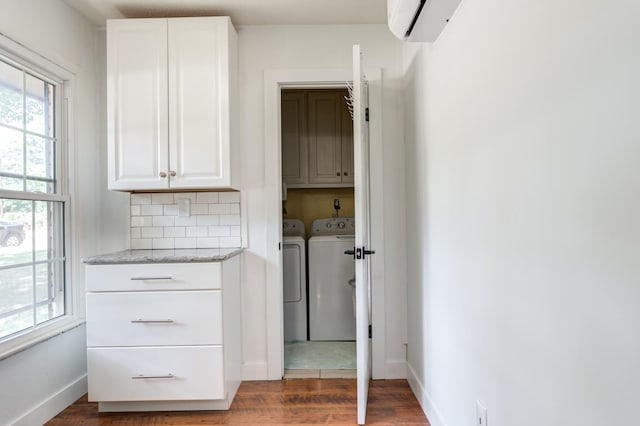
(155, 373)
(154, 318)
(153, 276)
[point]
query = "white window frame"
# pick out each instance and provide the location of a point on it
(65, 83)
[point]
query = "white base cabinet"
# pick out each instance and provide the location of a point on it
(156, 373)
(163, 337)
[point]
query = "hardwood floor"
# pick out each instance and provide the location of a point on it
(290, 402)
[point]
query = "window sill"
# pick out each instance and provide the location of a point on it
(33, 337)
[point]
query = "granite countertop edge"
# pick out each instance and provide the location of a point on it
(163, 256)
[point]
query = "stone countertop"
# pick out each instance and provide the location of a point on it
(163, 256)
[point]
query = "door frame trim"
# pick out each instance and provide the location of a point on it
(274, 81)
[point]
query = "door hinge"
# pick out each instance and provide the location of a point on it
(366, 114)
(279, 246)
(370, 331)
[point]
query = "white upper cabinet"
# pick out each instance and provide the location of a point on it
(171, 84)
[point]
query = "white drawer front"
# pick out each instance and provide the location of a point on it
(154, 318)
(155, 373)
(154, 276)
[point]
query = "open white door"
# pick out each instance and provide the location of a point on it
(362, 249)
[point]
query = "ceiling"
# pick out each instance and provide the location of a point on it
(242, 12)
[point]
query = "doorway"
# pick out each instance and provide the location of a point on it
(318, 227)
(274, 81)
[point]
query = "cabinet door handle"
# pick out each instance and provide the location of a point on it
(163, 175)
(149, 278)
(337, 173)
(345, 173)
(158, 376)
(144, 321)
(172, 173)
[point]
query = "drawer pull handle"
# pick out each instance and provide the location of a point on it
(163, 376)
(150, 278)
(143, 321)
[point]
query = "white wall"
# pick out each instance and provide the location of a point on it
(318, 47)
(522, 147)
(44, 378)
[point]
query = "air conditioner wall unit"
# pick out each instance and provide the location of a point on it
(419, 20)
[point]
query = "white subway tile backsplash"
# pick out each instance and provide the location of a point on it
(219, 208)
(171, 210)
(141, 221)
(164, 221)
(208, 220)
(219, 231)
(140, 199)
(206, 197)
(229, 197)
(185, 243)
(163, 243)
(197, 231)
(214, 220)
(228, 242)
(191, 196)
(151, 210)
(141, 244)
(162, 198)
(152, 232)
(208, 242)
(186, 221)
(198, 209)
(230, 219)
(174, 232)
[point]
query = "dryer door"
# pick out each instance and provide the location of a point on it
(293, 274)
(294, 291)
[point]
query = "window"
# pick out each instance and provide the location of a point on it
(33, 201)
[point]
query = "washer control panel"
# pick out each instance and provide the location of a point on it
(334, 226)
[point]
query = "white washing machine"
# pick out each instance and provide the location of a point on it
(294, 280)
(330, 295)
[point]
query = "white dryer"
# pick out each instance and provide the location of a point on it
(330, 295)
(294, 280)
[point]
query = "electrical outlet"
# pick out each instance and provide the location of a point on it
(184, 207)
(481, 414)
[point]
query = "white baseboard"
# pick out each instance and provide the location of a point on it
(395, 370)
(255, 371)
(427, 404)
(53, 405)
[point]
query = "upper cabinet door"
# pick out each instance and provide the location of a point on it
(199, 96)
(137, 104)
(294, 136)
(325, 137)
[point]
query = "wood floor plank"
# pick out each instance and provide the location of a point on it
(286, 402)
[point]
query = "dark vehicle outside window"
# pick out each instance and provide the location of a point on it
(11, 233)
